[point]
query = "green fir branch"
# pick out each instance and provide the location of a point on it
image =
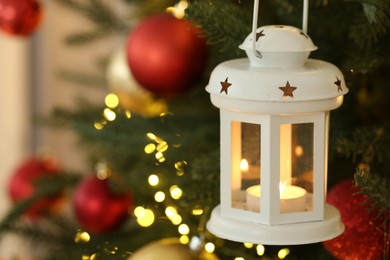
(377, 190)
(225, 24)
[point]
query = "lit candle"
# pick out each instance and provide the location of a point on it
(292, 198)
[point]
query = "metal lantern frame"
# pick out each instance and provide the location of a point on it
(272, 89)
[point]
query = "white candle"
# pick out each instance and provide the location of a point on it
(292, 198)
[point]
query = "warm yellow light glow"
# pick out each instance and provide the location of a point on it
(179, 166)
(184, 239)
(159, 196)
(89, 257)
(159, 155)
(109, 114)
(260, 249)
(176, 192)
(209, 247)
(147, 220)
(111, 100)
(162, 147)
(153, 180)
(298, 151)
(285, 152)
(151, 136)
(239, 258)
(139, 212)
(183, 229)
(244, 165)
(178, 10)
(128, 114)
(170, 211)
(150, 148)
(176, 220)
(248, 245)
(98, 125)
(82, 237)
(283, 253)
(197, 211)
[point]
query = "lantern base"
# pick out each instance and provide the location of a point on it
(285, 234)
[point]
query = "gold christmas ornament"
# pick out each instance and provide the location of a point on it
(131, 95)
(167, 248)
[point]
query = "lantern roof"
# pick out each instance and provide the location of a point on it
(240, 79)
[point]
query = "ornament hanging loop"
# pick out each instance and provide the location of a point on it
(255, 18)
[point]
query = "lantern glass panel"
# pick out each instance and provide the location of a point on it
(296, 167)
(248, 164)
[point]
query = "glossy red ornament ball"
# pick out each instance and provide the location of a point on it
(20, 17)
(97, 208)
(361, 239)
(21, 184)
(166, 55)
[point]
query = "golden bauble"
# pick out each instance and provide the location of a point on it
(164, 249)
(132, 96)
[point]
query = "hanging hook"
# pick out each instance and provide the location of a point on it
(305, 15)
(254, 28)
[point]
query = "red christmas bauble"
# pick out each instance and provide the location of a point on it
(21, 185)
(166, 55)
(19, 17)
(98, 209)
(362, 238)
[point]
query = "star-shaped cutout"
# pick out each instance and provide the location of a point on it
(225, 85)
(338, 84)
(288, 90)
(259, 34)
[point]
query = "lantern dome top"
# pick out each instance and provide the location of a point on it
(278, 46)
(238, 80)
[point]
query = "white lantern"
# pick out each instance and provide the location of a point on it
(274, 112)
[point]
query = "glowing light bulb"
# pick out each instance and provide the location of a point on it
(183, 229)
(111, 100)
(151, 136)
(176, 192)
(248, 245)
(98, 125)
(209, 247)
(176, 220)
(153, 180)
(149, 148)
(260, 249)
(283, 253)
(184, 239)
(197, 211)
(170, 211)
(139, 212)
(159, 196)
(146, 220)
(128, 114)
(162, 147)
(82, 237)
(109, 114)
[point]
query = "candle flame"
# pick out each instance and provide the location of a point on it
(244, 165)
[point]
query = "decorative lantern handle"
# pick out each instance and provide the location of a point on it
(255, 17)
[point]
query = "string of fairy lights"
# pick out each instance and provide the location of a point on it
(157, 146)
(146, 216)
